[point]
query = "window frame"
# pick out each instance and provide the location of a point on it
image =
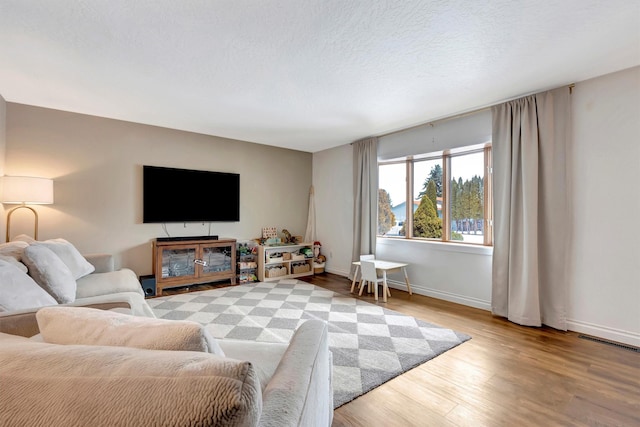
(445, 157)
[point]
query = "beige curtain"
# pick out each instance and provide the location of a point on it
(531, 138)
(365, 210)
(310, 232)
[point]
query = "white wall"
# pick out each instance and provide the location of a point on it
(604, 284)
(604, 292)
(96, 165)
(3, 132)
(3, 146)
(457, 273)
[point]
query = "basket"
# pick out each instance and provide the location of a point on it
(302, 268)
(275, 271)
(275, 259)
(318, 268)
(297, 257)
(245, 265)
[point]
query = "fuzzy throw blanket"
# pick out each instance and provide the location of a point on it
(77, 385)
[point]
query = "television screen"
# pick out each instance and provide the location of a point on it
(185, 195)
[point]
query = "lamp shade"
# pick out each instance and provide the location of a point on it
(26, 189)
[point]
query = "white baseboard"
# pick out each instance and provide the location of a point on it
(610, 334)
(446, 296)
(338, 272)
(599, 331)
(434, 293)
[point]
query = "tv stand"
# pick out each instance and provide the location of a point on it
(185, 238)
(193, 261)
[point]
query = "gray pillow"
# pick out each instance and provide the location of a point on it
(15, 262)
(48, 270)
(18, 291)
(72, 258)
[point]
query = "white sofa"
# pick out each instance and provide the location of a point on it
(270, 385)
(104, 288)
(264, 384)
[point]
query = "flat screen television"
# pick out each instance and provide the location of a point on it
(187, 195)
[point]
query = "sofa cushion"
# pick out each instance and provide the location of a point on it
(72, 258)
(264, 356)
(13, 249)
(76, 385)
(134, 300)
(123, 280)
(90, 326)
(102, 262)
(48, 270)
(19, 291)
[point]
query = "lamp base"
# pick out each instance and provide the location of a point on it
(35, 227)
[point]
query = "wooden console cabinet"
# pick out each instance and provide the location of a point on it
(188, 262)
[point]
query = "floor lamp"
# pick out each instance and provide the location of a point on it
(25, 190)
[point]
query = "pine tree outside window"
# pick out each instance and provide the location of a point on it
(427, 191)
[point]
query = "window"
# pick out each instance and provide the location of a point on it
(427, 197)
(450, 192)
(392, 197)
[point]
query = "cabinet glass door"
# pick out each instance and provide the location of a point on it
(217, 259)
(178, 262)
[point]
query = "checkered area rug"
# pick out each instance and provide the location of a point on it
(370, 344)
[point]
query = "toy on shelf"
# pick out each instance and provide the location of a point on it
(247, 261)
(288, 238)
(269, 232)
(318, 259)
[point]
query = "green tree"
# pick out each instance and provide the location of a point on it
(435, 175)
(386, 218)
(425, 220)
(454, 191)
(432, 195)
(457, 199)
(467, 203)
(466, 206)
(476, 201)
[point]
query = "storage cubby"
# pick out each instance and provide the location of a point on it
(284, 261)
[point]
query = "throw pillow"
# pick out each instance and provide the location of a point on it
(14, 262)
(24, 238)
(91, 326)
(13, 249)
(18, 291)
(68, 253)
(48, 270)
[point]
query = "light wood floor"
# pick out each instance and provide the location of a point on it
(506, 375)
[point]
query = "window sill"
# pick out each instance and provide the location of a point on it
(438, 246)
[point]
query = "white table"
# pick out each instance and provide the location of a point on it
(383, 266)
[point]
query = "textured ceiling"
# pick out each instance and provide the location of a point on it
(303, 74)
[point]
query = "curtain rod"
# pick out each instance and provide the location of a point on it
(467, 113)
